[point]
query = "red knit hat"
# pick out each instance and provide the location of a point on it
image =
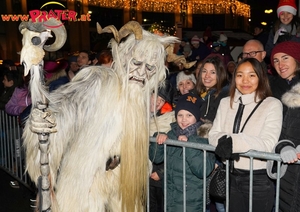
(290, 48)
(287, 6)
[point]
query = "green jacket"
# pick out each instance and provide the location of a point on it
(194, 172)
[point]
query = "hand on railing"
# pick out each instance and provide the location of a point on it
(290, 154)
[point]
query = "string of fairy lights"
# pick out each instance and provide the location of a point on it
(157, 28)
(182, 7)
(177, 6)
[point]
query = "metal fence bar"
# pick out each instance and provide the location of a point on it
(12, 154)
(227, 185)
(250, 154)
(251, 184)
(204, 181)
(165, 176)
(184, 180)
(277, 187)
(12, 159)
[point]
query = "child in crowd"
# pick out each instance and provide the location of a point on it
(187, 113)
(162, 115)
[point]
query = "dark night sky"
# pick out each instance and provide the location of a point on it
(259, 6)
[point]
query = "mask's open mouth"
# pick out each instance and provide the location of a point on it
(136, 80)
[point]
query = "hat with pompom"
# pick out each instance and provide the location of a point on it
(287, 6)
(290, 48)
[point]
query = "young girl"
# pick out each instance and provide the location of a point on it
(187, 115)
(232, 134)
(287, 26)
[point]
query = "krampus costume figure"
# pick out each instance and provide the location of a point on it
(102, 115)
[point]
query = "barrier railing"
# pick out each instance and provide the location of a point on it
(206, 147)
(12, 159)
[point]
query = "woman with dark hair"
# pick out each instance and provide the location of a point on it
(249, 119)
(211, 86)
(20, 98)
(11, 79)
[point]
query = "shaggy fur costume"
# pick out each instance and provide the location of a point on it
(101, 113)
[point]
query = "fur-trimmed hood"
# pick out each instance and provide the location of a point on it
(292, 97)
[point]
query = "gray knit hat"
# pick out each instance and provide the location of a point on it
(184, 76)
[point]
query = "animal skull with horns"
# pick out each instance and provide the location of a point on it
(35, 35)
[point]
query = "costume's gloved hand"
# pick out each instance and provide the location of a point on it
(288, 154)
(42, 121)
(224, 147)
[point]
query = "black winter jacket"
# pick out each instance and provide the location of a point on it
(290, 182)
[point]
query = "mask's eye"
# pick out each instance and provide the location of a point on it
(150, 67)
(36, 40)
(135, 62)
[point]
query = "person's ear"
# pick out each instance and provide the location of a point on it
(263, 54)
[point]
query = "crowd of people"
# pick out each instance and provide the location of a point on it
(250, 103)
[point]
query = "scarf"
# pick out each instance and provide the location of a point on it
(190, 130)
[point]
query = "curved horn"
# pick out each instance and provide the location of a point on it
(23, 25)
(132, 27)
(109, 29)
(60, 33)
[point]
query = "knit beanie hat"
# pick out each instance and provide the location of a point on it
(287, 6)
(195, 40)
(223, 37)
(166, 91)
(190, 102)
(183, 76)
(288, 47)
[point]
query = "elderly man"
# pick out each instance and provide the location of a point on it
(254, 48)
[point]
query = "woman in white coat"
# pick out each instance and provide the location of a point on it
(232, 133)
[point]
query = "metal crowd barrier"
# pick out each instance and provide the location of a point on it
(12, 160)
(12, 156)
(206, 147)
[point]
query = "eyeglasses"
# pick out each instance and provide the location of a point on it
(250, 54)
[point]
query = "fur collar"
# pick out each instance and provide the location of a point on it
(292, 97)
